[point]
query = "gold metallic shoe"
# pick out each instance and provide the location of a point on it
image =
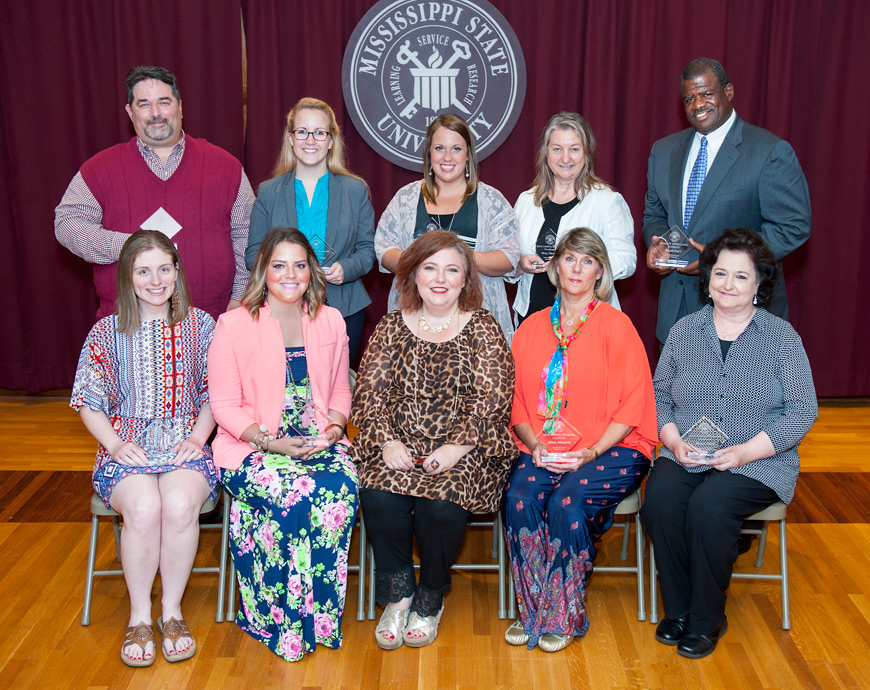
(551, 642)
(515, 635)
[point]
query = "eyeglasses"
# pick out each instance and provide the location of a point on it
(302, 134)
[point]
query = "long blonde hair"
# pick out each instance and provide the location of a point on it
(335, 158)
(587, 179)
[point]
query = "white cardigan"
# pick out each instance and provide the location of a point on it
(602, 210)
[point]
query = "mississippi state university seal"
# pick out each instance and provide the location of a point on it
(409, 61)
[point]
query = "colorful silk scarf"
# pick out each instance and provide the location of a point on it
(554, 376)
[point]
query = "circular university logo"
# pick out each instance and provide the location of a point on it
(409, 61)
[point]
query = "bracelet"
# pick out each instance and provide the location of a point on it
(337, 426)
(387, 444)
(260, 442)
(594, 451)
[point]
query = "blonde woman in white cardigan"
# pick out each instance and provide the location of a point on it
(567, 194)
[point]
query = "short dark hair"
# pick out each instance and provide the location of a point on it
(700, 66)
(748, 242)
(427, 244)
(144, 72)
(255, 293)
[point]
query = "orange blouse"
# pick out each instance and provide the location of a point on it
(609, 378)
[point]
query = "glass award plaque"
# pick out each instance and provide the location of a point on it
(705, 435)
(562, 438)
(322, 249)
(546, 246)
(673, 247)
(159, 438)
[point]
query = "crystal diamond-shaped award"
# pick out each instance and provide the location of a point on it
(673, 247)
(704, 434)
(561, 438)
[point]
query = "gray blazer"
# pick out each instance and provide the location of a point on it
(755, 182)
(350, 231)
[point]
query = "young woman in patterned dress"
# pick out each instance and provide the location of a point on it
(278, 368)
(142, 391)
(432, 402)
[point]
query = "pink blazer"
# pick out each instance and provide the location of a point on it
(246, 374)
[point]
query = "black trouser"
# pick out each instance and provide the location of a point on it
(354, 324)
(392, 521)
(693, 520)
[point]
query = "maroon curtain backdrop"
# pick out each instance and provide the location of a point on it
(617, 62)
(62, 68)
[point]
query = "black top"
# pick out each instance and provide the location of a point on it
(542, 293)
(463, 222)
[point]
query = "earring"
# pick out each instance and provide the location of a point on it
(466, 170)
(431, 172)
(173, 302)
(755, 298)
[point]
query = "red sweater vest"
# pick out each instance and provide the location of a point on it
(199, 196)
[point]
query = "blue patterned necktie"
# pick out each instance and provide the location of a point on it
(696, 179)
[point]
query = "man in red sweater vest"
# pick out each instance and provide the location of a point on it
(162, 179)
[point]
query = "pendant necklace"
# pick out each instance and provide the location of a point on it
(299, 403)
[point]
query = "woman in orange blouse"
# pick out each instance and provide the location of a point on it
(585, 421)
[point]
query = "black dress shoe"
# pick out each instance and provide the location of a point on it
(698, 646)
(744, 543)
(671, 630)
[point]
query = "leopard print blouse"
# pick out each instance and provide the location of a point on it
(428, 394)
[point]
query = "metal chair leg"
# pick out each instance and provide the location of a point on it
(89, 582)
(371, 584)
(626, 534)
(116, 527)
(363, 549)
(653, 587)
(222, 569)
(641, 588)
(762, 542)
(231, 593)
(783, 569)
(503, 573)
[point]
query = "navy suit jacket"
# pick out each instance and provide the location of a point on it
(755, 182)
(350, 231)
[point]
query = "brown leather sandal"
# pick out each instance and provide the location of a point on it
(140, 634)
(172, 630)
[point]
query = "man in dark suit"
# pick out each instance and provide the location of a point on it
(748, 177)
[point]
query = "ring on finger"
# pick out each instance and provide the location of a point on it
(434, 465)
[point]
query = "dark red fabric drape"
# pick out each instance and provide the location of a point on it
(618, 63)
(62, 67)
(797, 69)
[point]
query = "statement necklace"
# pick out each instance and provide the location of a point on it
(424, 326)
(299, 403)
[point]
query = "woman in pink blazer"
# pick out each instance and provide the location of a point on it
(280, 393)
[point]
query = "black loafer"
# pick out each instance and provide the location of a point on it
(671, 630)
(744, 543)
(698, 646)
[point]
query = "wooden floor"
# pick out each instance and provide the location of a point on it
(44, 495)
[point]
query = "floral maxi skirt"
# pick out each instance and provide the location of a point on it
(290, 530)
